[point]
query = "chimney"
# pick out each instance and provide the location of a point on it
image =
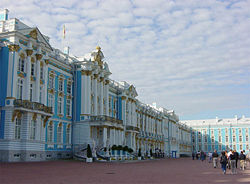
(4, 15)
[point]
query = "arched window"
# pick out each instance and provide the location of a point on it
(50, 132)
(33, 129)
(68, 135)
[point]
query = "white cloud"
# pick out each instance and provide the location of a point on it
(192, 56)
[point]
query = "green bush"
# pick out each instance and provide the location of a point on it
(114, 147)
(89, 152)
(119, 147)
(130, 150)
(139, 152)
(125, 148)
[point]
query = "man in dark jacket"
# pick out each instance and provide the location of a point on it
(242, 159)
(215, 158)
(237, 157)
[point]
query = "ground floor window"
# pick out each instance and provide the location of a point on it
(50, 132)
(68, 134)
(59, 133)
(18, 128)
(33, 130)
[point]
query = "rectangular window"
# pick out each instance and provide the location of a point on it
(246, 138)
(60, 85)
(41, 73)
(246, 130)
(234, 139)
(59, 133)
(20, 65)
(19, 89)
(233, 130)
(205, 138)
(234, 147)
(51, 82)
(241, 147)
(33, 130)
(226, 131)
(212, 132)
(240, 138)
(226, 138)
(32, 69)
(68, 135)
(18, 128)
(220, 147)
(212, 138)
(247, 146)
(60, 105)
(68, 107)
(41, 93)
(69, 88)
(51, 101)
(240, 131)
(50, 133)
(220, 139)
(31, 92)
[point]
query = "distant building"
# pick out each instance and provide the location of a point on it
(220, 134)
(53, 104)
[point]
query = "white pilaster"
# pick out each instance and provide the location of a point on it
(37, 89)
(95, 94)
(104, 136)
(45, 82)
(101, 95)
(28, 74)
(107, 97)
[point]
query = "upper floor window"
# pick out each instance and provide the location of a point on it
(18, 128)
(246, 138)
(31, 92)
(69, 87)
(32, 69)
(19, 88)
(51, 101)
(240, 131)
(51, 82)
(60, 85)
(41, 73)
(68, 107)
(20, 65)
(60, 105)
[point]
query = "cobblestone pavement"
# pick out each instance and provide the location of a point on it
(170, 171)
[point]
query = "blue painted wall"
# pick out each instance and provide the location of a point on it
(4, 60)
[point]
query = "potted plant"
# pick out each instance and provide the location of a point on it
(89, 154)
(139, 154)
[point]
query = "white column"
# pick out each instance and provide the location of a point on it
(88, 92)
(83, 93)
(13, 65)
(104, 136)
(45, 81)
(101, 95)
(95, 93)
(28, 74)
(107, 97)
(124, 110)
(37, 88)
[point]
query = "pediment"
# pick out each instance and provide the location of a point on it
(36, 35)
(133, 91)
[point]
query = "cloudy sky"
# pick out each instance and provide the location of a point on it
(192, 56)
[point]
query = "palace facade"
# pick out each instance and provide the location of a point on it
(220, 134)
(53, 104)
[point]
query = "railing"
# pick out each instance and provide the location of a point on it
(106, 118)
(128, 127)
(32, 105)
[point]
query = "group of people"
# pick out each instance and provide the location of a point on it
(227, 159)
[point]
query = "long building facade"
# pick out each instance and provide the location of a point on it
(53, 104)
(220, 134)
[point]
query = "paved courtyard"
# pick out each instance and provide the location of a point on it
(171, 171)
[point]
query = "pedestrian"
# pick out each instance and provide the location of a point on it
(237, 157)
(210, 156)
(202, 156)
(242, 159)
(233, 162)
(205, 156)
(215, 158)
(197, 156)
(223, 162)
(193, 155)
(248, 157)
(228, 156)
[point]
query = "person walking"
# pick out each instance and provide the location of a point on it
(237, 157)
(228, 156)
(242, 159)
(202, 156)
(233, 162)
(223, 162)
(193, 155)
(210, 156)
(215, 158)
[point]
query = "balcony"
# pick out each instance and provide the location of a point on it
(32, 106)
(105, 118)
(132, 128)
